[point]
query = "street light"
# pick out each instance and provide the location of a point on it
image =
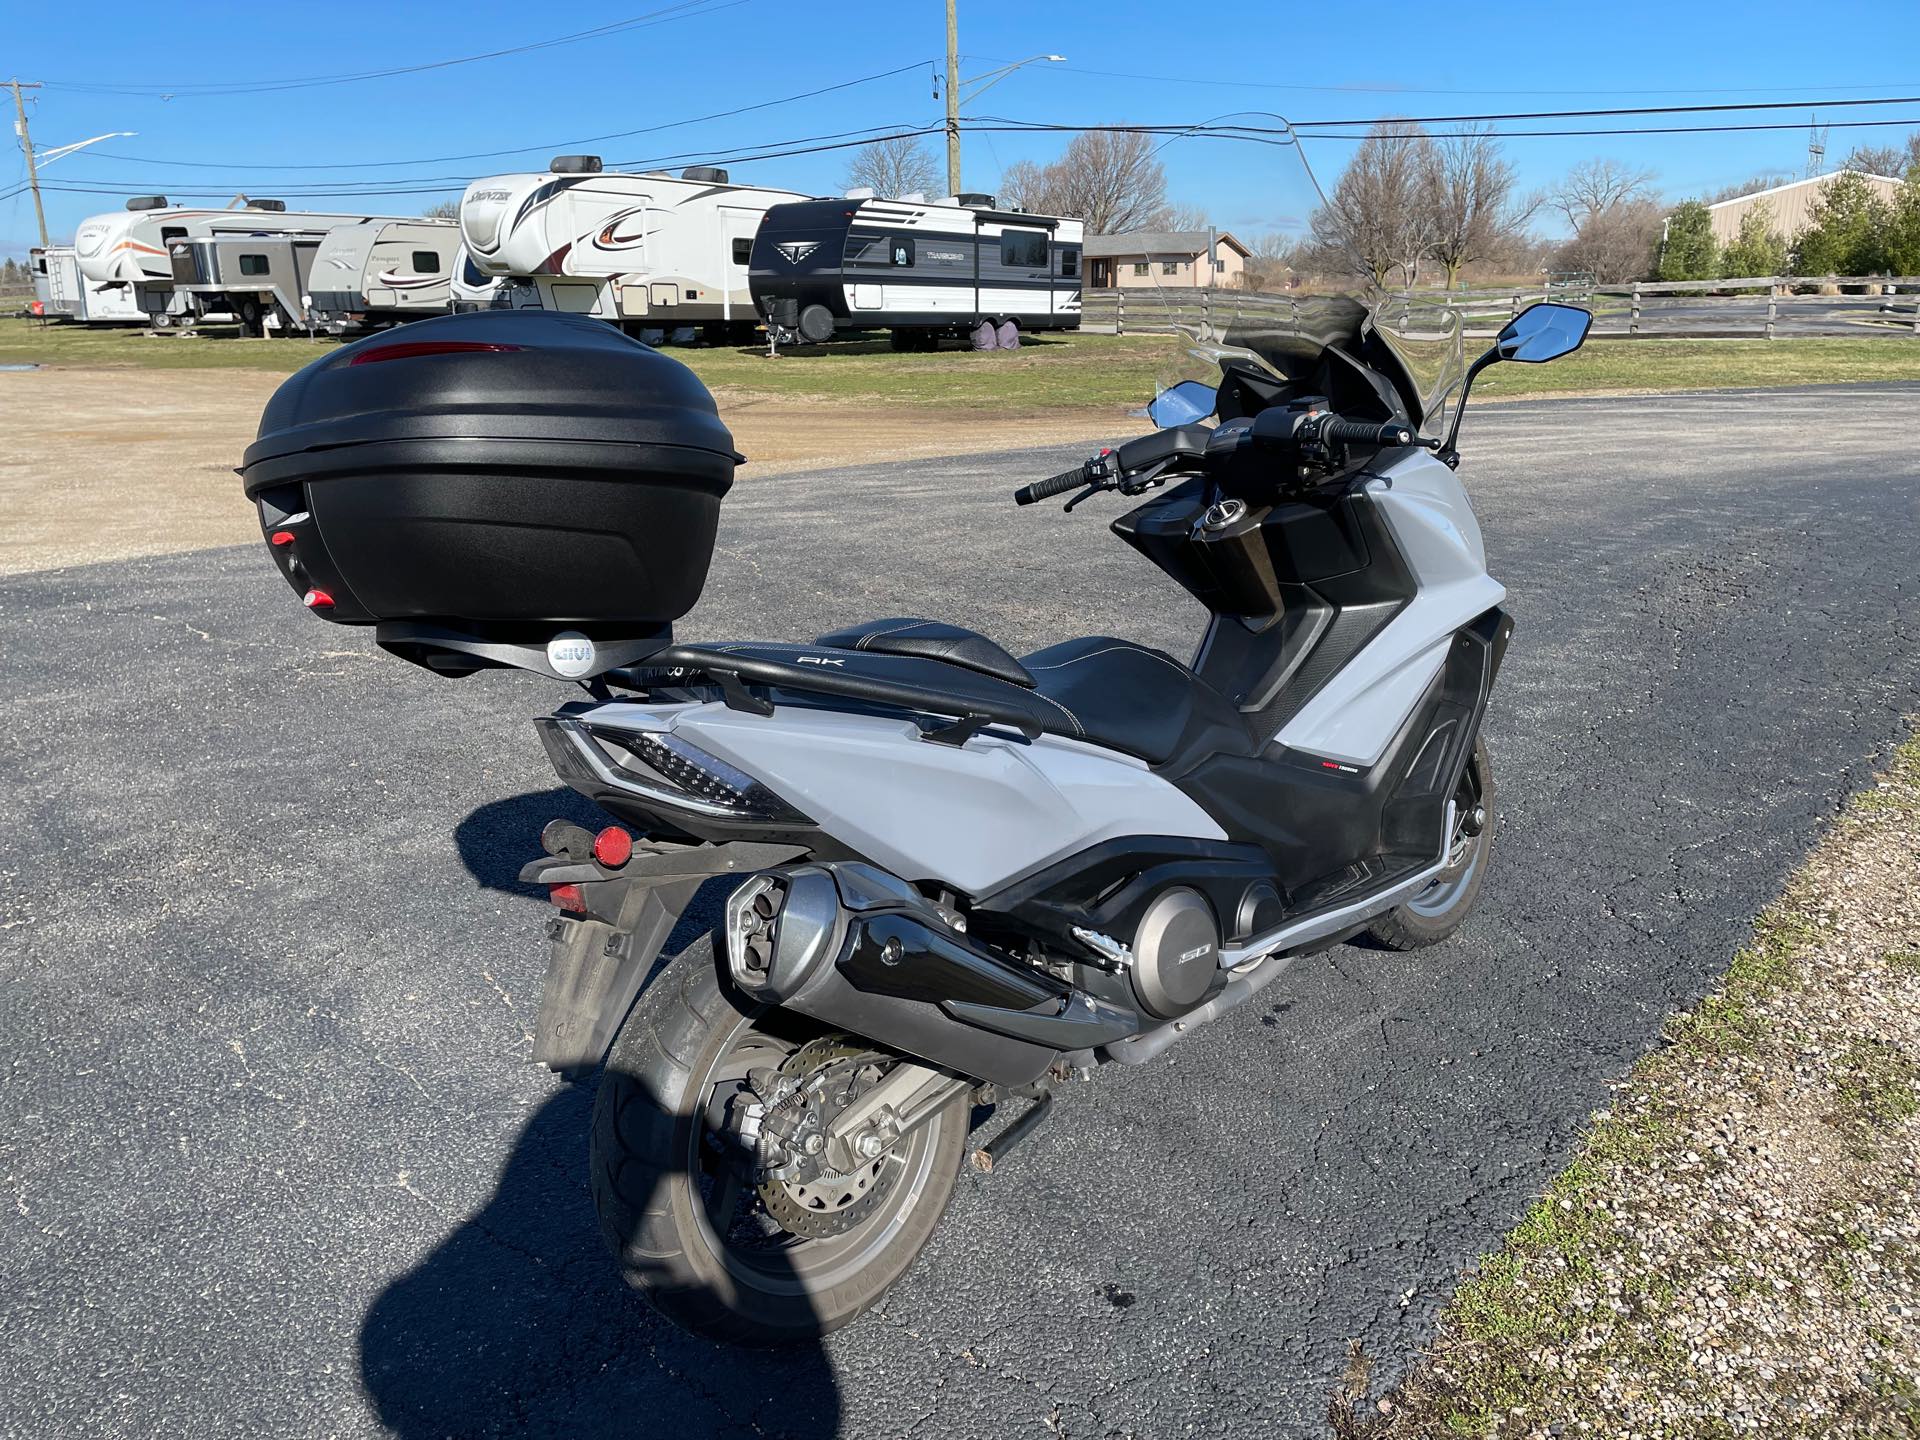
(982, 82)
(994, 77)
(47, 157)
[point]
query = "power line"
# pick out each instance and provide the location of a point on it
(686, 9)
(1213, 82)
(551, 147)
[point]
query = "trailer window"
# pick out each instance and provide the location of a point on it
(1069, 263)
(40, 264)
(470, 273)
(742, 249)
(253, 264)
(426, 262)
(900, 251)
(171, 233)
(1023, 249)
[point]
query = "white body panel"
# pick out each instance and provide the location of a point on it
(1355, 714)
(973, 817)
(641, 248)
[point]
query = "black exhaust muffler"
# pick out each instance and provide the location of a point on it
(857, 948)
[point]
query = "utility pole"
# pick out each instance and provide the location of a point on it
(953, 102)
(26, 144)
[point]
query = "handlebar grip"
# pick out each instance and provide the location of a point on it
(1357, 432)
(1055, 485)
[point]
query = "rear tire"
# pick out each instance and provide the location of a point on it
(1442, 908)
(655, 1186)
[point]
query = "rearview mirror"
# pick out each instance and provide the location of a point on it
(1543, 332)
(1182, 404)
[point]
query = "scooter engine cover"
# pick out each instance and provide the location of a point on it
(1176, 953)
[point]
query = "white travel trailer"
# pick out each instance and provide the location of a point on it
(920, 269)
(468, 287)
(65, 293)
(366, 277)
(645, 252)
(133, 247)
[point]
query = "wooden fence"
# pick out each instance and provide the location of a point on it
(1754, 307)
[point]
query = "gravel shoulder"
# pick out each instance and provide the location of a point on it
(1735, 1248)
(104, 464)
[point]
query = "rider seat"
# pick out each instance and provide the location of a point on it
(1098, 688)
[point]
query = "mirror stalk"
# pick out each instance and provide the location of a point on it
(1448, 452)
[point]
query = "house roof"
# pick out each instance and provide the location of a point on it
(1156, 242)
(1796, 184)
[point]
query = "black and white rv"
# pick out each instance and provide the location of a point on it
(920, 269)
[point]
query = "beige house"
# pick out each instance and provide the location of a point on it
(1150, 259)
(1787, 205)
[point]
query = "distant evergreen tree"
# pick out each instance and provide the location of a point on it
(1758, 249)
(1689, 251)
(1846, 230)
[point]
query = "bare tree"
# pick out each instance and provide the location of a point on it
(442, 210)
(1597, 187)
(1108, 179)
(1274, 260)
(1617, 243)
(1889, 160)
(1376, 221)
(1467, 194)
(1765, 180)
(1184, 217)
(894, 167)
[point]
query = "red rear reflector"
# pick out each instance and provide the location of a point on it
(411, 349)
(613, 847)
(281, 537)
(317, 599)
(568, 897)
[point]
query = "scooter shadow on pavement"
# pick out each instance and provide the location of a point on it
(497, 838)
(518, 1323)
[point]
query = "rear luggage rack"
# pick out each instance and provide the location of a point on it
(732, 672)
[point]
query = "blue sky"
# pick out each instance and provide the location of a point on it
(1332, 62)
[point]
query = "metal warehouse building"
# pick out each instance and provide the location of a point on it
(1787, 205)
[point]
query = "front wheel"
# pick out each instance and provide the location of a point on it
(723, 1256)
(1443, 906)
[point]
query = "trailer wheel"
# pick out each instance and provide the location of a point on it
(251, 320)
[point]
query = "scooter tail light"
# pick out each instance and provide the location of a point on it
(568, 898)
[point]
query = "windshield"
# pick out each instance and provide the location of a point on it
(1276, 294)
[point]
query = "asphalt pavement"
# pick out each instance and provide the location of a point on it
(274, 1161)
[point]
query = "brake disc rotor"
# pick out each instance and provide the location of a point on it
(816, 1201)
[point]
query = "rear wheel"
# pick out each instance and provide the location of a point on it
(1443, 906)
(719, 1254)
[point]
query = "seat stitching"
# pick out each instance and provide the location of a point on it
(1173, 665)
(872, 635)
(1079, 729)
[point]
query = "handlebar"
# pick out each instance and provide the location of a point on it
(1358, 432)
(1053, 485)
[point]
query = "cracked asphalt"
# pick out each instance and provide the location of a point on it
(274, 1161)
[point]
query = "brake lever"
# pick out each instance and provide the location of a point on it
(1086, 494)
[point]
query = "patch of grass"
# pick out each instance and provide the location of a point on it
(1878, 1083)
(1727, 1022)
(1708, 365)
(1054, 372)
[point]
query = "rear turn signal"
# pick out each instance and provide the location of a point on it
(281, 537)
(317, 600)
